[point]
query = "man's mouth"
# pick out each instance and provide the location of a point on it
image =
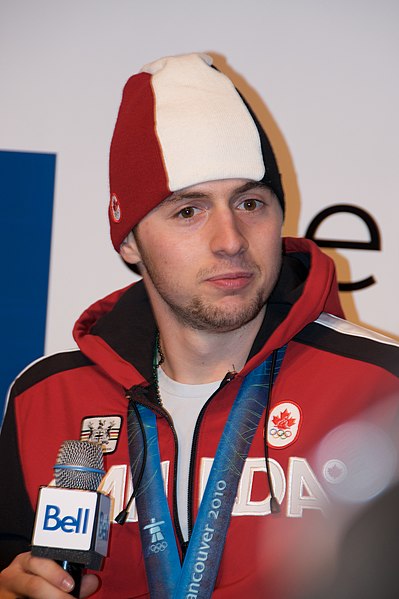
(231, 280)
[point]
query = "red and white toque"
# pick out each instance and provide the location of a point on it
(181, 122)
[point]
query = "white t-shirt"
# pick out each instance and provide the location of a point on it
(184, 403)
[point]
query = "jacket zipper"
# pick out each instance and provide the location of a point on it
(229, 377)
(165, 414)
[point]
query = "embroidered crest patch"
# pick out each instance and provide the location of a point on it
(102, 429)
(284, 424)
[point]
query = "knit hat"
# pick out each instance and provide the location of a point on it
(181, 122)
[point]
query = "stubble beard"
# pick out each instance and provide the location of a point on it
(206, 316)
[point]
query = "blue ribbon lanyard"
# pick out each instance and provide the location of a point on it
(167, 579)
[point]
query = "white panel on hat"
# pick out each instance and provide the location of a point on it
(157, 65)
(203, 126)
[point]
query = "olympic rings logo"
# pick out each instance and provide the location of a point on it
(157, 547)
(280, 433)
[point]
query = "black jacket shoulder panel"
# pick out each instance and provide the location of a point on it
(48, 366)
(333, 334)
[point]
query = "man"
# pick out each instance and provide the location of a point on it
(230, 330)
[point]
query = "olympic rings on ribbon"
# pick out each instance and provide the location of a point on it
(157, 547)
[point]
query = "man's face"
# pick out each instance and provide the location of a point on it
(210, 254)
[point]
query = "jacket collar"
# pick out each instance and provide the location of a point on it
(118, 333)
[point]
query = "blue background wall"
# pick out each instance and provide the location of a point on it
(27, 189)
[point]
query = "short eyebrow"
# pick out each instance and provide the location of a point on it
(177, 197)
(192, 195)
(251, 185)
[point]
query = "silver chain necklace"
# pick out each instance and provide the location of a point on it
(159, 358)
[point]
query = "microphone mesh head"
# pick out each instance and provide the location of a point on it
(76, 461)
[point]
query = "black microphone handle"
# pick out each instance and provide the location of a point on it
(76, 571)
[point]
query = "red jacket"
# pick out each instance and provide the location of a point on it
(333, 373)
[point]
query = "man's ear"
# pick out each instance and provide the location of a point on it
(129, 250)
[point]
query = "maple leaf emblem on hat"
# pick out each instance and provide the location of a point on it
(284, 420)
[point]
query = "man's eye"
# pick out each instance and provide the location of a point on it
(250, 205)
(187, 212)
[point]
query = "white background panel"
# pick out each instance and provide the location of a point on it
(327, 90)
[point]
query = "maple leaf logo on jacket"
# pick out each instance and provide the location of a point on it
(284, 423)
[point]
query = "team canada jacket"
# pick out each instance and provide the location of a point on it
(335, 393)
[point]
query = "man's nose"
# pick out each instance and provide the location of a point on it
(227, 233)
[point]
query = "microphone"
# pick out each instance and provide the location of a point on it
(72, 517)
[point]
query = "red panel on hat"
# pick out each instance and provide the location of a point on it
(137, 172)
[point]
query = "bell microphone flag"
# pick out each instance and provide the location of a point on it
(72, 518)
